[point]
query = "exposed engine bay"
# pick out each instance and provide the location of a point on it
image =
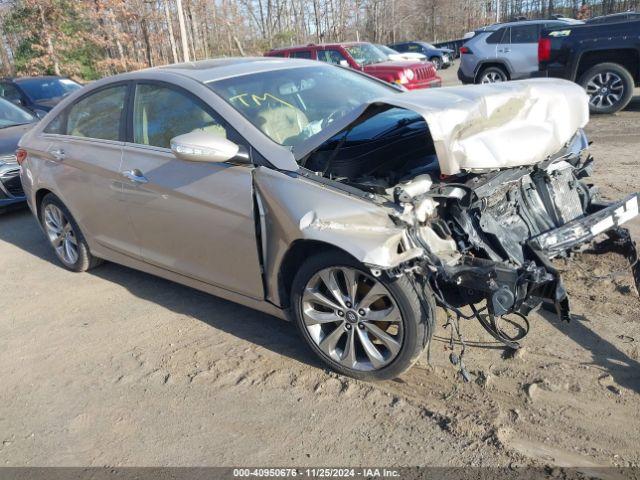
(477, 239)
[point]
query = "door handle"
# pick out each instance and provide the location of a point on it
(135, 176)
(57, 153)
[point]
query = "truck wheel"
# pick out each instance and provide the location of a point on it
(437, 62)
(492, 75)
(609, 86)
(366, 327)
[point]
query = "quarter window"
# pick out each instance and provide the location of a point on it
(98, 115)
(161, 113)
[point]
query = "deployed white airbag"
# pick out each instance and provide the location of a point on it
(500, 125)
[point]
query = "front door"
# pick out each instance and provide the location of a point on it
(191, 218)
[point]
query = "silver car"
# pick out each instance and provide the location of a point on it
(324, 196)
(504, 51)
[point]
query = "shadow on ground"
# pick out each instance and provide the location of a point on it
(21, 229)
(624, 369)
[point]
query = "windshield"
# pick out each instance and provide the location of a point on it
(46, 88)
(428, 45)
(366, 54)
(294, 104)
(11, 115)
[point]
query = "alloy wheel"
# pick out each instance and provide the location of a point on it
(352, 318)
(61, 234)
(492, 77)
(605, 89)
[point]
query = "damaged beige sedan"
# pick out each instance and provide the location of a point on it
(319, 194)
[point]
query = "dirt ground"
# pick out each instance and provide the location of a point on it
(116, 367)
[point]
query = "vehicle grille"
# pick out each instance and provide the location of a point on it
(424, 73)
(12, 184)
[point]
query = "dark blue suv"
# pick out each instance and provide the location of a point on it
(440, 57)
(37, 94)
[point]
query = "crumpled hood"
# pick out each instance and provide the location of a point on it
(492, 126)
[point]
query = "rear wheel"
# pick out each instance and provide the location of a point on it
(366, 327)
(437, 62)
(492, 75)
(609, 86)
(65, 236)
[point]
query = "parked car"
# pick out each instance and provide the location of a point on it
(326, 196)
(440, 57)
(37, 94)
(501, 52)
(368, 59)
(603, 57)
(453, 45)
(14, 122)
(614, 18)
(397, 56)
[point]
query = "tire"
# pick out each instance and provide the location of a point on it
(492, 75)
(65, 236)
(609, 86)
(408, 326)
(437, 62)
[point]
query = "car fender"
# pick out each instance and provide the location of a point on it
(483, 62)
(293, 208)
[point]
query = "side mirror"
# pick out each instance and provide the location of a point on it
(206, 147)
(344, 63)
(18, 101)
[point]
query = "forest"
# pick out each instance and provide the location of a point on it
(89, 39)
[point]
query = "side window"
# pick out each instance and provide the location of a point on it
(300, 54)
(9, 92)
(331, 56)
(98, 115)
(400, 47)
(414, 47)
(524, 34)
(161, 113)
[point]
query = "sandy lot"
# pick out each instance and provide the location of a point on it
(116, 367)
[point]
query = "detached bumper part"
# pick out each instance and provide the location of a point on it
(585, 229)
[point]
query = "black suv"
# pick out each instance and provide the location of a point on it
(602, 57)
(37, 94)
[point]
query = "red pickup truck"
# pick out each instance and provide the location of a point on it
(369, 59)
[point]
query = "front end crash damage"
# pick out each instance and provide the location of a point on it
(479, 232)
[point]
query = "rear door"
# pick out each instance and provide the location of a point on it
(521, 51)
(84, 147)
(192, 218)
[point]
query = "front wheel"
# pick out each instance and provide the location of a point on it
(359, 325)
(609, 86)
(437, 62)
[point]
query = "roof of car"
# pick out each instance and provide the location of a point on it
(216, 69)
(37, 77)
(316, 45)
(532, 22)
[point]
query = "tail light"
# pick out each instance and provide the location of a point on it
(21, 155)
(465, 50)
(544, 50)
